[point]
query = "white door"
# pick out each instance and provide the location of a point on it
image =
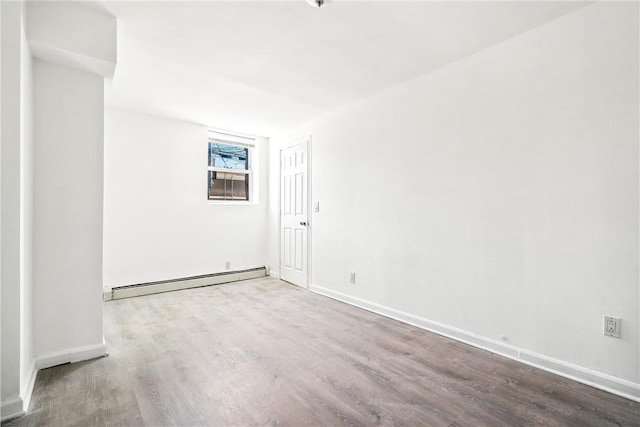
(293, 214)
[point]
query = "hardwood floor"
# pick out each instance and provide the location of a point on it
(263, 352)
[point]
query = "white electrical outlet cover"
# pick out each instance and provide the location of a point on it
(612, 326)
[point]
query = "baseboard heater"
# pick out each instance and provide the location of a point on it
(184, 283)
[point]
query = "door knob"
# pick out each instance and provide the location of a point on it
(303, 223)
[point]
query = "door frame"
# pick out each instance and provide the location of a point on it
(307, 140)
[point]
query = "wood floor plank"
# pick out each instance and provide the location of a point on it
(263, 352)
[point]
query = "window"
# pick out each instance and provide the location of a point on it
(229, 170)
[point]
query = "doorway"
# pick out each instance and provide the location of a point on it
(294, 213)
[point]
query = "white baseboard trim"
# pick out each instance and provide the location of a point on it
(609, 383)
(184, 283)
(11, 408)
(274, 274)
(28, 391)
(71, 355)
(614, 385)
(18, 406)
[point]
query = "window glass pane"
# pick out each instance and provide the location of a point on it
(228, 156)
(228, 186)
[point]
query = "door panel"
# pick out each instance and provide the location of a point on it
(286, 259)
(293, 214)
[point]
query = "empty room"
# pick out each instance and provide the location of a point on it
(320, 213)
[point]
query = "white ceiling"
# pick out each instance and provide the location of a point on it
(263, 67)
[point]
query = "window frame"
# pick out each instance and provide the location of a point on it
(237, 141)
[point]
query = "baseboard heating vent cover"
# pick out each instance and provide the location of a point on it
(185, 283)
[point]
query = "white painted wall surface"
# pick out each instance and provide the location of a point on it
(74, 35)
(17, 219)
(498, 195)
(10, 157)
(158, 224)
(26, 213)
(68, 181)
(53, 250)
(1, 136)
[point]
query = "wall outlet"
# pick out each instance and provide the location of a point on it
(352, 277)
(227, 265)
(612, 326)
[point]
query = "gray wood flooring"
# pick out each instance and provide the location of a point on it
(263, 352)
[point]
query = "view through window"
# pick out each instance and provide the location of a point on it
(229, 171)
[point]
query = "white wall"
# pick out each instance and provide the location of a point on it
(58, 24)
(497, 196)
(26, 212)
(1, 226)
(11, 189)
(17, 220)
(74, 35)
(68, 181)
(52, 159)
(158, 224)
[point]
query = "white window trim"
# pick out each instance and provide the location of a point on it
(239, 141)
